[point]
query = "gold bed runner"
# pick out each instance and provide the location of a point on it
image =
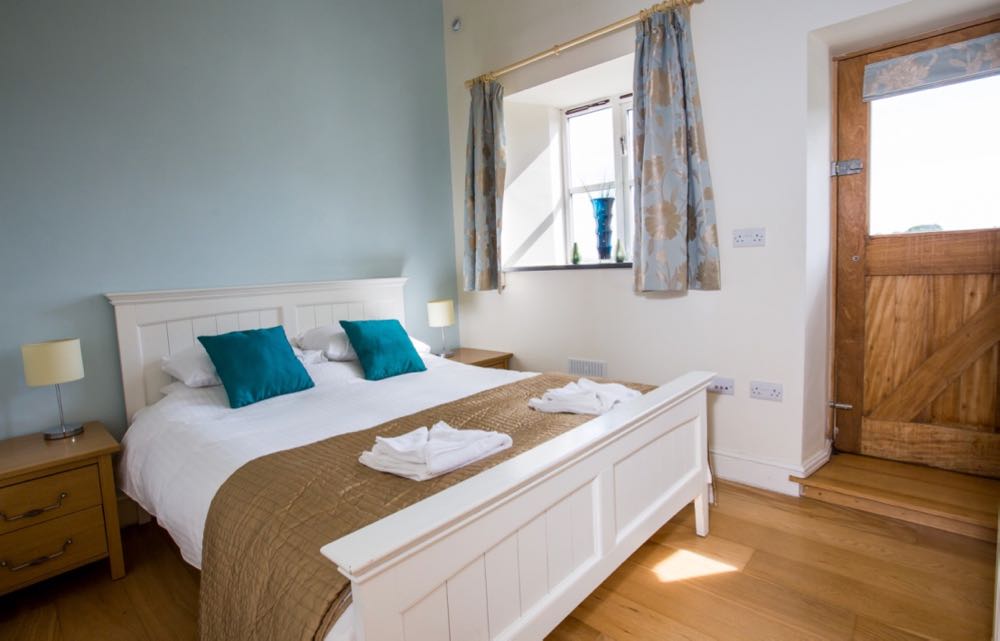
(263, 576)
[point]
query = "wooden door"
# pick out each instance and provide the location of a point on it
(917, 314)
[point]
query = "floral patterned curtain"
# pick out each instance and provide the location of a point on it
(676, 243)
(976, 58)
(485, 171)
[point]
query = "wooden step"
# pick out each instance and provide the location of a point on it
(948, 501)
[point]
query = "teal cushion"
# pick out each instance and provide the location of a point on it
(256, 364)
(383, 348)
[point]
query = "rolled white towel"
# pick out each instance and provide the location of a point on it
(423, 454)
(583, 397)
(580, 403)
(609, 393)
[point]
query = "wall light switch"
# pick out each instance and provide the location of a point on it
(722, 385)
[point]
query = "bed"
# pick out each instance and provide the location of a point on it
(505, 554)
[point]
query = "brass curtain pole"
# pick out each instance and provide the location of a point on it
(579, 40)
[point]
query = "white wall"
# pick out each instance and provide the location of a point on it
(764, 69)
(532, 232)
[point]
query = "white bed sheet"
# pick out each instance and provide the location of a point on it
(179, 451)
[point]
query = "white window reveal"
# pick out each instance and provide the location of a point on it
(597, 163)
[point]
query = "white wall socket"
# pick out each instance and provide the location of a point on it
(722, 385)
(766, 391)
(750, 237)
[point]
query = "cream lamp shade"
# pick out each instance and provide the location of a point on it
(441, 313)
(52, 362)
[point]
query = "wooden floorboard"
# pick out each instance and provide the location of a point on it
(773, 568)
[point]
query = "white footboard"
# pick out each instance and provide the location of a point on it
(510, 552)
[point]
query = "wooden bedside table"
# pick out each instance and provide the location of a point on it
(482, 357)
(58, 508)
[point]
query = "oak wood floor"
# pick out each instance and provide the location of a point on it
(774, 567)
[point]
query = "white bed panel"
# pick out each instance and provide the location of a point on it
(583, 514)
(204, 326)
(180, 335)
(532, 565)
(648, 473)
(428, 619)
(152, 325)
(503, 590)
(559, 541)
(227, 323)
(155, 345)
(468, 616)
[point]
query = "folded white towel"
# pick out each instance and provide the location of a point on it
(583, 397)
(423, 454)
(408, 448)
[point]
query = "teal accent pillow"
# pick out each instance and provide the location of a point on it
(383, 348)
(256, 364)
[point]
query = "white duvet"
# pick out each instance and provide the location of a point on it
(179, 451)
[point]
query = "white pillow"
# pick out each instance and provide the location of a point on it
(191, 366)
(309, 357)
(333, 342)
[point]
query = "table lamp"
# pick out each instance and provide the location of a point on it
(441, 313)
(54, 363)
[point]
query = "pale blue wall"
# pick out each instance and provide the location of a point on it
(200, 143)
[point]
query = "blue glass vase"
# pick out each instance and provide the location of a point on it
(603, 208)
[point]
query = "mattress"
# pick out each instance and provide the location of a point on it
(179, 451)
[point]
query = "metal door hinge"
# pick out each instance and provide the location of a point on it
(846, 167)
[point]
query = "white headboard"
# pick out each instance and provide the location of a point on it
(154, 324)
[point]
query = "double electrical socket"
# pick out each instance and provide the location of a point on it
(750, 237)
(765, 391)
(761, 390)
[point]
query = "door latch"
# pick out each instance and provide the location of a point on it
(846, 167)
(841, 406)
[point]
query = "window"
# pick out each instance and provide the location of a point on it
(934, 159)
(597, 162)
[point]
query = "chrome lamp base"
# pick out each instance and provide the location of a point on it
(66, 431)
(63, 430)
(445, 352)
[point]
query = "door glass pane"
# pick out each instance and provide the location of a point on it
(585, 228)
(935, 159)
(591, 141)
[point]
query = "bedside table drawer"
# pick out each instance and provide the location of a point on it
(48, 548)
(48, 497)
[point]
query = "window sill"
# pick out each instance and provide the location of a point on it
(549, 268)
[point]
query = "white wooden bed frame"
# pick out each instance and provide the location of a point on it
(506, 554)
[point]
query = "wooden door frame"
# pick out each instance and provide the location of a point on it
(846, 382)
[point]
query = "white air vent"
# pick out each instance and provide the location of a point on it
(584, 367)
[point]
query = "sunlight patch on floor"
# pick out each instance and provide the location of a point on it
(684, 564)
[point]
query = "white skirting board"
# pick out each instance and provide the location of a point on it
(767, 475)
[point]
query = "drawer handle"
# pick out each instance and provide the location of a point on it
(37, 511)
(39, 560)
